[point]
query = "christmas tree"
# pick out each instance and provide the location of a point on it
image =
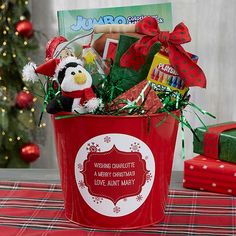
(17, 118)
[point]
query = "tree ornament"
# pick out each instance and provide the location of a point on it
(30, 152)
(24, 100)
(24, 28)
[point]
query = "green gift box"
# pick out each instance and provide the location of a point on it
(125, 78)
(218, 142)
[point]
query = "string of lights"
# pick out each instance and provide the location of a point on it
(18, 122)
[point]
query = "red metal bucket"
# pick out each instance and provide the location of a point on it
(115, 170)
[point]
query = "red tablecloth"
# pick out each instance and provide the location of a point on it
(30, 209)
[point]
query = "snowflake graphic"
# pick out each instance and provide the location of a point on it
(134, 147)
(81, 184)
(148, 176)
(139, 198)
(107, 139)
(80, 166)
(93, 147)
(116, 209)
(97, 199)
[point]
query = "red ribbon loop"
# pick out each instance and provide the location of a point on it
(148, 26)
(164, 36)
(136, 55)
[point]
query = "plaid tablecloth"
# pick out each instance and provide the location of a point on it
(30, 209)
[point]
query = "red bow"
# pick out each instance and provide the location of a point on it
(187, 69)
(84, 95)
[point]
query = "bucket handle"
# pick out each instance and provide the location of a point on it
(108, 28)
(79, 36)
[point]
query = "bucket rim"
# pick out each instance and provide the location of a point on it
(176, 112)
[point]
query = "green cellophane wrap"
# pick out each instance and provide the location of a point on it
(126, 78)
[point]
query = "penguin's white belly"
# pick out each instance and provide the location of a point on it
(76, 106)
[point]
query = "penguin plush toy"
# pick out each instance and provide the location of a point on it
(76, 89)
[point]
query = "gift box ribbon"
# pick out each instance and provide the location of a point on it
(136, 55)
(211, 139)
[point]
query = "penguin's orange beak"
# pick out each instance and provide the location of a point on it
(80, 78)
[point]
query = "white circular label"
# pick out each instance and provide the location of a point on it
(114, 173)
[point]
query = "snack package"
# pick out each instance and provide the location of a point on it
(95, 65)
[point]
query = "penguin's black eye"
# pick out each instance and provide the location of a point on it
(79, 71)
(73, 73)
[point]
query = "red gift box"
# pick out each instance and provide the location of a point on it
(207, 174)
